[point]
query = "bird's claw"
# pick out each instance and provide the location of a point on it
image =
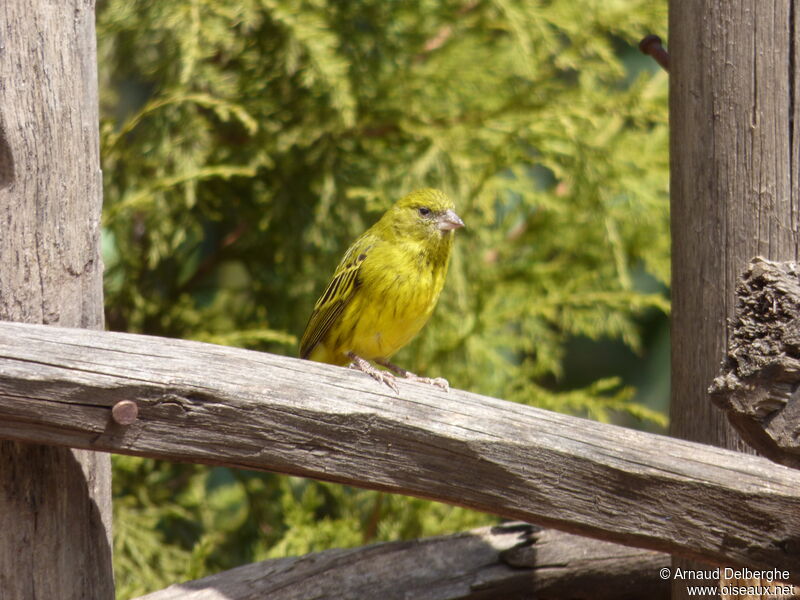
(439, 382)
(359, 364)
(387, 378)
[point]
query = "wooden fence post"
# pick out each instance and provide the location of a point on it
(55, 503)
(734, 162)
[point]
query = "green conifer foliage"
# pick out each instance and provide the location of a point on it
(247, 142)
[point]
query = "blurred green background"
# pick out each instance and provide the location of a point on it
(246, 143)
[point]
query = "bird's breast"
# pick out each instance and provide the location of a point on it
(394, 305)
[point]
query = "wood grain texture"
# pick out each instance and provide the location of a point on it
(514, 561)
(50, 206)
(203, 403)
(55, 503)
(761, 371)
(734, 191)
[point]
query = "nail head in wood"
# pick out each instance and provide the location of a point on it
(125, 412)
(652, 46)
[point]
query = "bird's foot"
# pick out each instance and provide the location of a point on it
(363, 365)
(437, 381)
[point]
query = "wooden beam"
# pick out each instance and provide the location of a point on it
(55, 503)
(514, 561)
(210, 404)
(734, 106)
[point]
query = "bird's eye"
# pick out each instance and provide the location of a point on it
(424, 211)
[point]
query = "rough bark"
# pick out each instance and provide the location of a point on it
(514, 561)
(55, 512)
(734, 162)
(760, 375)
(219, 405)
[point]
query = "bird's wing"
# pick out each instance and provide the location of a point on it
(337, 296)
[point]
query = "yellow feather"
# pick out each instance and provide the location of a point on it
(387, 285)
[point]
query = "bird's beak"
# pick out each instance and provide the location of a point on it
(449, 220)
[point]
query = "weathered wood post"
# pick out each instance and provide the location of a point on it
(734, 146)
(55, 503)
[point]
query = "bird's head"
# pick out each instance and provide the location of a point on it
(426, 214)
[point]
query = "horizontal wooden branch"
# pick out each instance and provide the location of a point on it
(203, 403)
(466, 566)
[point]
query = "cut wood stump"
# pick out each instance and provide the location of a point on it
(760, 374)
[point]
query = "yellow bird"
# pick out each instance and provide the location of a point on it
(385, 288)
